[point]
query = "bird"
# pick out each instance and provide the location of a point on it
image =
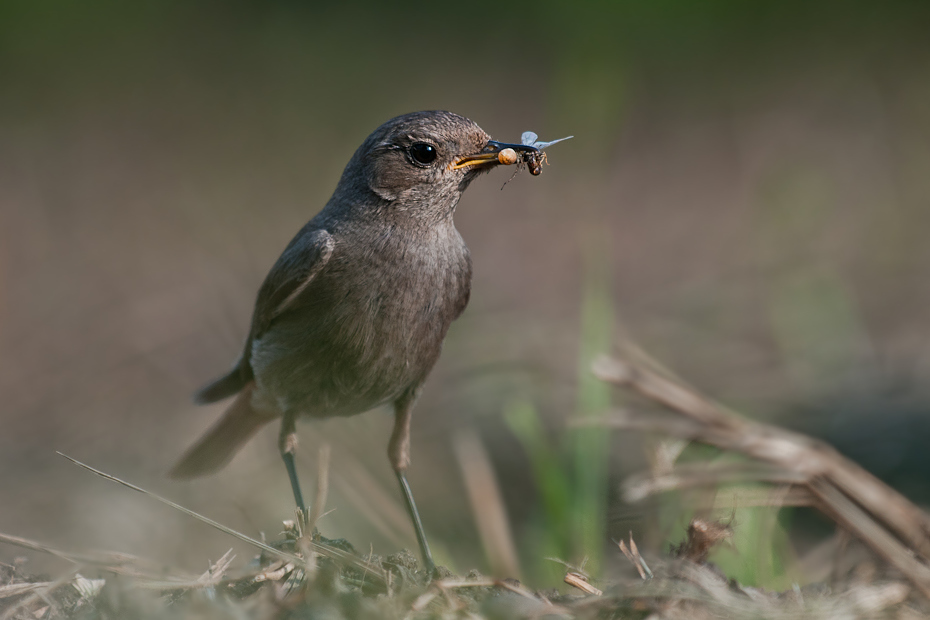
(353, 313)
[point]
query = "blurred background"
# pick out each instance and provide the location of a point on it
(746, 196)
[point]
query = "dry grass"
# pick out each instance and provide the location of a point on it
(886, 521)
(681, 586)
(304, 576)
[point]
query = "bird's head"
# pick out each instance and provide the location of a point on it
(422, 162)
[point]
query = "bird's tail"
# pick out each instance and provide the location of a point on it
(224, 439)
(227, 385)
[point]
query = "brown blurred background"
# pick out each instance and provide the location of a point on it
(747, 193)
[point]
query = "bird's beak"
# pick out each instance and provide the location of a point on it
(492, 154)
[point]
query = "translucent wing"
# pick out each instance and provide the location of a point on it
(543, 145)
(528, 138)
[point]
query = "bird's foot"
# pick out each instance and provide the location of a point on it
(438, 573)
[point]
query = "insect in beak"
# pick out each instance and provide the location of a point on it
(493, 154)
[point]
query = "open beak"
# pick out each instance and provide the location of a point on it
(494, 153)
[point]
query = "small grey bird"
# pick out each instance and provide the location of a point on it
(354, 312)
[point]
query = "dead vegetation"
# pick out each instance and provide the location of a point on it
(680, 586)
(306, 576)
(877, 515)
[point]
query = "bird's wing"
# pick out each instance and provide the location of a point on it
(300, 263)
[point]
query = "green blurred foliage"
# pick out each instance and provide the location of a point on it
(572, 475)
(760, 553)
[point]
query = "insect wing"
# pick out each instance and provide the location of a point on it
(543, 145)
(528, 138)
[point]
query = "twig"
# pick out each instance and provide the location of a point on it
(485, 582)
(638, 487)
(793, 451)
(855, 498)
(578, 581)
(629, 555)
(215, 573)
(641, 565)
(632, 554)
(40, 593)
(102, 559)
(855, 520)
(487, 504)
(18, 589)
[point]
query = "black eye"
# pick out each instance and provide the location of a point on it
(423, 153)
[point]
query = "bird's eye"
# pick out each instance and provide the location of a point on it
(423, 153)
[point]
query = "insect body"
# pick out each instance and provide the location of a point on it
(534, 159)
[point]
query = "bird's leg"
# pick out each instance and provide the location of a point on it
(399, 453)
(287, 443)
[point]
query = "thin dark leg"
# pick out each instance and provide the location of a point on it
(287, 443)
(295, 483)
(417, 524)
(399, 453)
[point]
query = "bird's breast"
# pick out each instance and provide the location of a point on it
(411, 288)
(373, 323)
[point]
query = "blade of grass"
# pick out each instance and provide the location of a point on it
(335, 554)
(550, 477)
(487, 504)
(589, 446)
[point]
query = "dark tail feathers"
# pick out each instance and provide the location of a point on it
(219, 444)
(227, 385)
